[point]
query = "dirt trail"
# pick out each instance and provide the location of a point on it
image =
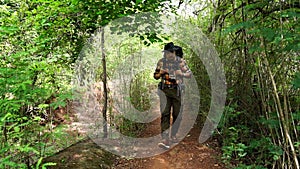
(188, 154)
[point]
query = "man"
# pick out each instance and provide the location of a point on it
(171, 69)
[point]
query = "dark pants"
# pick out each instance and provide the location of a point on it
(169, 98)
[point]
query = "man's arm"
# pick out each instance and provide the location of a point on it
(159, 71)
(186, 72)
(157, 74)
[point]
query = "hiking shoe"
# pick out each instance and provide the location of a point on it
(164, 144)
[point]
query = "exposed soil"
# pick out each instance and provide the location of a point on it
(187, 154)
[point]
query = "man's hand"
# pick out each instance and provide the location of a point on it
(159, 72)
(162, 71)
(179, 73)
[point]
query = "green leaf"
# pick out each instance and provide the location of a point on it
(39, 163)
(8, 29)
(27, 148)
(241, 25)
(7, 115)
(44, 166)
(297, 144)
(42, 106)
(138, 1)
(17, 129)
(296, 81)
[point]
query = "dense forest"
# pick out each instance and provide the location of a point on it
(43, 44)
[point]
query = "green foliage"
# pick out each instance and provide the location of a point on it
(241, 146)
(234, 147)
(296, 81)
(140, 90)
(203, 82)
(265, 150)
(58, 139)
(271, 122)
(44, 166)
(129, 127)
(233, 151)
(253, 166)
(28, 82)
(258, 42)
(17, 138)
(40, 40)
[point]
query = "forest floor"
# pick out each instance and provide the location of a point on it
(187, 154)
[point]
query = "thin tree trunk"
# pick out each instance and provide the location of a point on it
(104, 80)
(281, 113)
(293, 121)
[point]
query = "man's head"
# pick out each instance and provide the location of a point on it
(169, 51)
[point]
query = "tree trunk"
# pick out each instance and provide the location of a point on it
(104, 80)
(281, 111)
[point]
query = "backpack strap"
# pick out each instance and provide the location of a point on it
(177, 63)
(164, 63)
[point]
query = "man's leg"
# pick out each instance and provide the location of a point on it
(165, 118)
(177, 115)
(165, 124)
(162, 100)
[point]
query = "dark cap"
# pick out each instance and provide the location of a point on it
(178, 51)
(169, 47)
